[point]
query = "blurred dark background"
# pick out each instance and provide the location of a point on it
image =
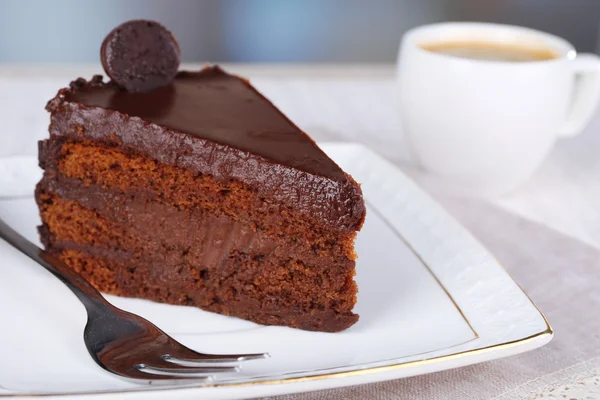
(70, 31)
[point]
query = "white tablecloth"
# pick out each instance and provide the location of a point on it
(560, 273)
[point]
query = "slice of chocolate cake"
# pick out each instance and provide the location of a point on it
(200, 193)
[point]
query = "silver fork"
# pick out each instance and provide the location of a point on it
(124, 343)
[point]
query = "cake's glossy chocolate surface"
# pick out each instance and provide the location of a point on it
(213, 123)
(214, 105)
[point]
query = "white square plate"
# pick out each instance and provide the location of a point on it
(431, 298)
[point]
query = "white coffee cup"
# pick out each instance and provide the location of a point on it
(483, 127)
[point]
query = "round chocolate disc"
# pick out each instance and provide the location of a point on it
(140, 55)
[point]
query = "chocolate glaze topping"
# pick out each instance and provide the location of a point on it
(214, 105)
(213, 123)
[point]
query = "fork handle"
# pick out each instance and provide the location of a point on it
(85, 292)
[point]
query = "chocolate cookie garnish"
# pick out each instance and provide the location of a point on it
(140, 55)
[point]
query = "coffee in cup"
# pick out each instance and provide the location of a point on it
(491, 51)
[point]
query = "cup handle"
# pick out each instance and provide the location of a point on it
(585, 96)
